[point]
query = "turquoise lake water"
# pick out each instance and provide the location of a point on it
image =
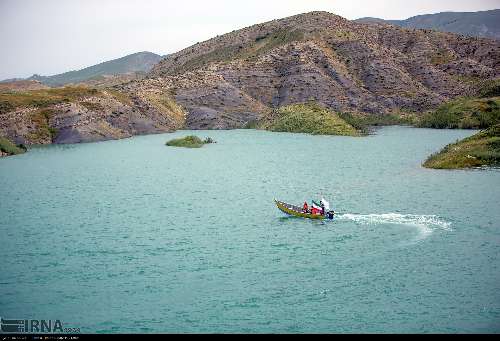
(133, 236)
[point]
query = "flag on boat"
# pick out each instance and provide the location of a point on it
(316, 205)
(326, 204)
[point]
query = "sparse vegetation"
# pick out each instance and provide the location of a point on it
(482, 149)
(270, 41)
(41, 119)
(121, 97)
(442, 57)
(93, 106)
(490, 88)
(166, 103)
(259, 45)
(43, 98)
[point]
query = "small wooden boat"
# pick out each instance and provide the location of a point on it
(299, 212)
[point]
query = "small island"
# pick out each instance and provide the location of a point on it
(190, 142)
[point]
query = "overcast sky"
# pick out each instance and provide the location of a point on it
(54, 36)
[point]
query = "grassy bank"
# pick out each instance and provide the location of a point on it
(307, 118)
(9, 148)
(464, 113)
(482, 149)
(480, 112)
(189, 142)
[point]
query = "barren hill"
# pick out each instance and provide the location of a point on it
(235, 78)
(255, 73)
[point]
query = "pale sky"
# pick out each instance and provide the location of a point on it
(54, 36)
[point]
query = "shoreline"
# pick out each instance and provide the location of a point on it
(372, 132)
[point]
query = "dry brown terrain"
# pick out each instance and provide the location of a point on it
(240, 77)
(341, 64)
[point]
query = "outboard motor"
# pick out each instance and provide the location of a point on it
(330, 215)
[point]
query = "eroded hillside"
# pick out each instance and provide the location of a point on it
(81, 114)
(241, 78)
(343, 65)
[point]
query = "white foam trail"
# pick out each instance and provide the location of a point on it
(431, 221)
(425, 223)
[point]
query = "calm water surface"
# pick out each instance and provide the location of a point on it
(134, 236)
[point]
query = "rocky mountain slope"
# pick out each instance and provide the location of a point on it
(246, 76)
(485, 24)
(80, 114)
(141, 62)
(236, 78)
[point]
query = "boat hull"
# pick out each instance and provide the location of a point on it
(297, 211)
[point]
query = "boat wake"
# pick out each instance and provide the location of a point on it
(426, 224)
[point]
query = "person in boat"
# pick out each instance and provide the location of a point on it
(305, 208)
(316, 209)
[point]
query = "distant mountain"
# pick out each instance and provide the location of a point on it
(141, 62)
(10, 80)
(485, 24)
(371, 20)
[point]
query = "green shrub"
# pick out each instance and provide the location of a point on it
(308, 118)
(464, 113)
(186, 142)
(10, 148)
